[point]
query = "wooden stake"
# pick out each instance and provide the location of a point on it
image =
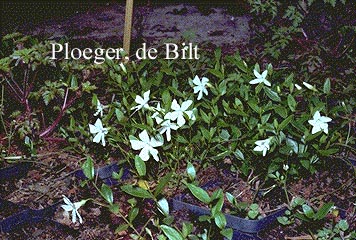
(128, 25)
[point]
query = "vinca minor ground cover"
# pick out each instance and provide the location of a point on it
(122, 145)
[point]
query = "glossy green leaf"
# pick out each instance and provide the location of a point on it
(140, 166)
(162, 183)
(107, 193)
(308, 211)
(272, 94)
(220, 220)
(88, 168)
(291, 103)
(171, 233)
(323, 210)
(191, 171)
(327, 86)
(199, 193)
(136, 191)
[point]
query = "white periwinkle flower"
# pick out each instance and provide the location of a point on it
(99, 109)
(99, 131)
(166, 127)
(179, 111)
(147, 145)
(260, 78)
(73, 207)
(319, 123)
(200, 87)
(142, 102)
(285, 167)
(262, 146)
(158, 110)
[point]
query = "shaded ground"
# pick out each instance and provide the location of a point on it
(223, 26)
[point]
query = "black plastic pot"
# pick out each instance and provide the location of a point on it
(236, 223)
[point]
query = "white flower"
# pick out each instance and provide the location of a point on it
(179, 112)
(309, 86)
(285, 167)
(99, 130)
(298, 87)
(142, 102)
(147, 145)
(260, 78)
(200, 86)
(262, 146)
(99, 109)
(166, 127)
(74, 208)
(319, 123)
(158, 110)
(123, 67)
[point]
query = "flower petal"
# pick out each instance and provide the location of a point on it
(255, 81)
(93, 129)
(186, 104)
(144, 154)
(175, 106)
(97, 137)
(264, 74)
(137, 145)
(67, 208)
(154, 153)
(144, 136)
(196, 80)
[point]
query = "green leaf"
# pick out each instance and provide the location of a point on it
(230, 198)
(163, 206)
(187, 228)
(114, 208)
(107, 194)
(281, 111)
(291, 103)
(292, 144)
(308, 211)
(140, 166)
(222, 88)
(298, 201)
(171, 233)
(220, 220)
(133, 214)
(88, 168)
(162, 183)
(204, 116)
(227, 232)
(136, 191)
(191, 171)
(343, 225)
(166, 97)
(271, 94)
(217, 208)
(121, 228)
(199, 193)
(326, 88)
(119, 115)
(239, 155)
(323, 211)
(224, 134)
(283, 220)
(285, 122)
